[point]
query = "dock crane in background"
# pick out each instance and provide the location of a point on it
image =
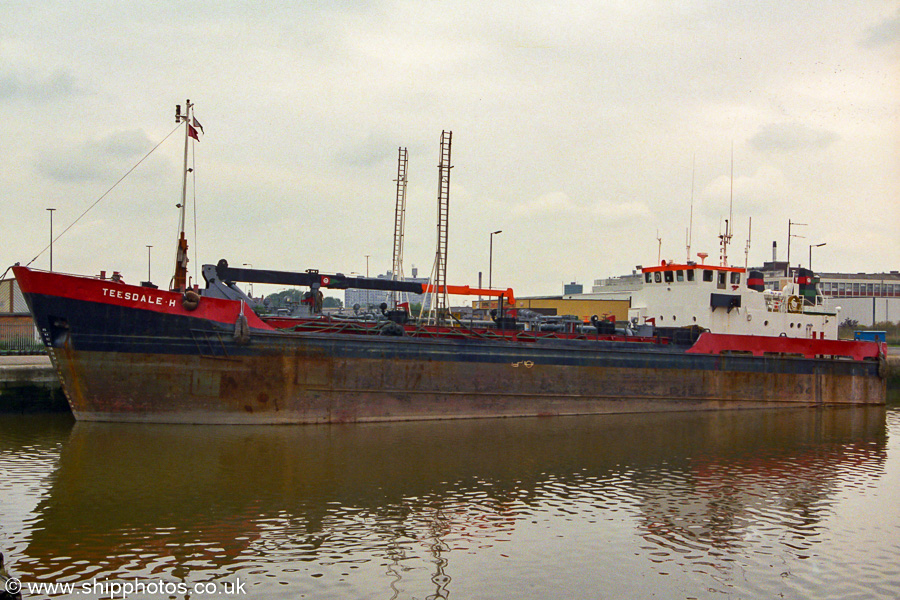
(221, 277)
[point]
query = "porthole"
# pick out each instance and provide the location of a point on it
(766, 323)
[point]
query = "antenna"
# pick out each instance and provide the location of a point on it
(726, 237)
(731, 193)
(747, 249)
(690, 230)
(659, 252)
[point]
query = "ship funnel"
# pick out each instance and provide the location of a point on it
(806, 283)
(755, 281)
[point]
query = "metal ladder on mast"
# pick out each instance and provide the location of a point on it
(399, 226)
(440, 303)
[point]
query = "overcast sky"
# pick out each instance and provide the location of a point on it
(579, 130)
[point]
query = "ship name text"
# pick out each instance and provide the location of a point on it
(136, 297)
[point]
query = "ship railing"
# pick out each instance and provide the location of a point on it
(775, 301)
(460, 332)
(780, 302)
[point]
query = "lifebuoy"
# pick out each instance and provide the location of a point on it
(794, 304)
(190, 300)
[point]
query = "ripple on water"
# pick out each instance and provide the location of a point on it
(749, 505)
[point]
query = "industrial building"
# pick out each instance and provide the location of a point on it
(17, 330)
(371, 299)
(867, 298)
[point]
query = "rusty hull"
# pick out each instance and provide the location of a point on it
(326, 379)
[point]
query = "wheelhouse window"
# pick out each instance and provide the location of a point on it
(679, 275)
(690, 275)
(735, 278)
(720, 281)
(647, 277)
(707, 275)
(657, 277)
(670, 276)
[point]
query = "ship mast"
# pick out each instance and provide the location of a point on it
(726, 237)
(440, 303)
(399, 224)
(179, 280)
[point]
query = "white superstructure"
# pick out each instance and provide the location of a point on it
(720, 299)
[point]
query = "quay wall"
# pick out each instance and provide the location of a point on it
(29, 384)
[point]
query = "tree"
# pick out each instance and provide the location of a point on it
(284, 298)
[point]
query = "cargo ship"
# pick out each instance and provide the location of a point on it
(698, 337)
(132, 353)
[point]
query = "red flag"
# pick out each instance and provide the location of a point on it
(193, 133)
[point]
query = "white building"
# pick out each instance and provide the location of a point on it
(371, 299)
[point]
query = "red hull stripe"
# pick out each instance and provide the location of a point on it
(719, 343)
(105, 291)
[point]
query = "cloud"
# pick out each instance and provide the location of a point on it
(618, 212)
(96, 159)
(550, 203)
(372, 151)
(16, 86)
(572, 126)
(885, 33)
(787, 137)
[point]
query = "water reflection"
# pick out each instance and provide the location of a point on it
(426, 509)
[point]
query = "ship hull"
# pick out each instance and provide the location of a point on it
(151, 360)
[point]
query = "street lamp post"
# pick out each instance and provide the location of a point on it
(51, 237)
(811, 246)
(491, 258)
(148, 263)
(251, 285)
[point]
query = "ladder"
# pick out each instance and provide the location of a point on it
(399, 224)
(439, 300)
